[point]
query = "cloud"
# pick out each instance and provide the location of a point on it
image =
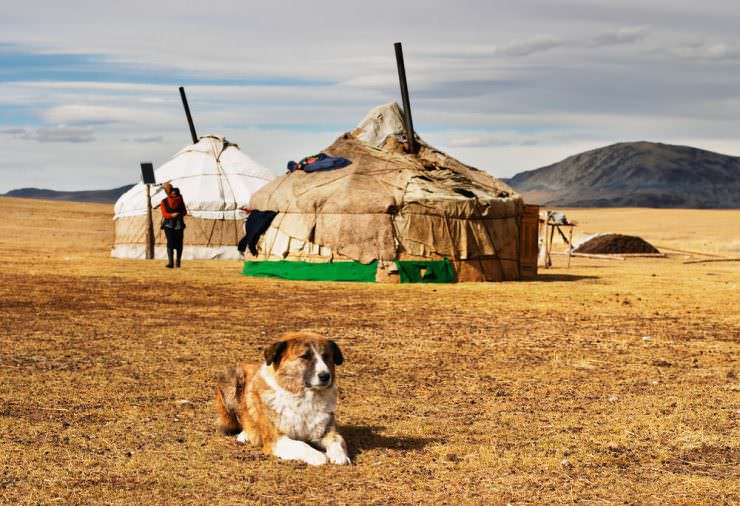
(707, 51)
(102, 115)
(154, 139)
(626, 35)
(373, 81)
(527, 47)
(60, 133)
(492, 140)
(13, 131)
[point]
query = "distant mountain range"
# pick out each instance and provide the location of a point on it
(635, 174)
(103, 196)
(628, 174)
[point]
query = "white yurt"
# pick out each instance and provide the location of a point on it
(216, 180)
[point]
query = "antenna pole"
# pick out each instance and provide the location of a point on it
(149, 224)
(413, 148)
(187, 114)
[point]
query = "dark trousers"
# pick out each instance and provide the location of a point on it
(174, 239)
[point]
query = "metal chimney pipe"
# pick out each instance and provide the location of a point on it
(187, 114)
(413, 148)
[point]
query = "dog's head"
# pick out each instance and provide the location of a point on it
(303, 360)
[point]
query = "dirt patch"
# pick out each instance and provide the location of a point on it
(714, 461)
(616, 243)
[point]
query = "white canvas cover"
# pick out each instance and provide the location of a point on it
(380, 123)
(216, 180)
(214, 176)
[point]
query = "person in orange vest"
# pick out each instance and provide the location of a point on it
(173, 223)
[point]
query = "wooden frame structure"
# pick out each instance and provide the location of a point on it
(547, 230)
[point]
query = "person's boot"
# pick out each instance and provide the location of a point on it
(169, 258)
(179, 257)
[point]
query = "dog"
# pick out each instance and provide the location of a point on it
(286, 404)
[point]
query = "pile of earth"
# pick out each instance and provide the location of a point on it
(606, 244)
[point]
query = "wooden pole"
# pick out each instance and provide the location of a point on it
(412, 146)
(150, 225)
(699, 253)
(187, 115)
(599, 256)
(570, 246)
(713, 260)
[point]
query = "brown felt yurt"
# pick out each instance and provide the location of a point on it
(390, 216)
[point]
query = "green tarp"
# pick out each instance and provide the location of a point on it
(437, 271)
(328, 271)
(429, 271)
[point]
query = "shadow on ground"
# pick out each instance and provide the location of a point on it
(548, 277)
(364, 437)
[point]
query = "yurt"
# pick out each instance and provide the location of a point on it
(216, 180)
(391, 216)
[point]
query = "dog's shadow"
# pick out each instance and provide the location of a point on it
(364, 437)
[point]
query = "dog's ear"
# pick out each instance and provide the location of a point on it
(338, 358)
(274, 352)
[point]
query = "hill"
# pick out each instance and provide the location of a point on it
(102, 196)
(636, 174)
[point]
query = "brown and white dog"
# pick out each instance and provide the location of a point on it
(286, 404)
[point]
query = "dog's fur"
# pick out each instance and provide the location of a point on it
(286, 404)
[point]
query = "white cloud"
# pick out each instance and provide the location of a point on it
(707, 51)
(61, 133)
(477, 140)
(79, 114)
(626, 35)
(530, 46)
(153, 139)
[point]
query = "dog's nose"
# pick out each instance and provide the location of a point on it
(324, 377)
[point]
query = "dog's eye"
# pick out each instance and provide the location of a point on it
(306, 356)
(326, 357)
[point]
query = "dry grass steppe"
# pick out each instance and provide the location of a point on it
(609, 382)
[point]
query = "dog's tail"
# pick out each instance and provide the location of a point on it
(229, 391)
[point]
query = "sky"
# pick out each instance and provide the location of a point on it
(89, 89)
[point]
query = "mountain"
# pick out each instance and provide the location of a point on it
(636, 174)
(103, 196)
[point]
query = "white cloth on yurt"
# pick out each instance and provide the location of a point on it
(215, 178)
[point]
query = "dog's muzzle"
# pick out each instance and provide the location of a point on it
(324, 380)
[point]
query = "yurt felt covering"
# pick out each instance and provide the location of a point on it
(389, 205)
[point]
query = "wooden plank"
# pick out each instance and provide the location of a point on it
(593, 255)
(529, 242)
(713, 260)
(700, 253)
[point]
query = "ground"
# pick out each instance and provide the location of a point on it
(609, 382)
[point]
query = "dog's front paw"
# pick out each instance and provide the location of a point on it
(337, 455)
(242, 438)
(315, 458)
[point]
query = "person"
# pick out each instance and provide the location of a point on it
(173, 223)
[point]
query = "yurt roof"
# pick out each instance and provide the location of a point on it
(214, 176)
(382, 176)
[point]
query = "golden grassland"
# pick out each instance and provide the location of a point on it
(608, 382)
